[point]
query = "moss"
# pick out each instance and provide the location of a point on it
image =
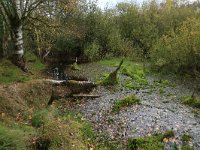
(186, 137)
(111, 79)
(148, 143)
(110, 120)
(191, 101)
(125, 102)
(187, 147)
(154, 142)
(161, 91)
(168, 134)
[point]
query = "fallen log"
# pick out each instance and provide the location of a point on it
(80, 86)
(76, 87)
(85, 95)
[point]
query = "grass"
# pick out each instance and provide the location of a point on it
(129, 68)
(39, 118)
(154, 142)
(125, 102)
(62, 130)
(10, 73)
(186, 138)
(193, 102)
(12, 139)
(33, 62)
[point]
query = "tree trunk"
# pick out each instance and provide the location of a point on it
(18, 58)
(16, 25)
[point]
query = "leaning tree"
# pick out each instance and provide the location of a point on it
(14, 13)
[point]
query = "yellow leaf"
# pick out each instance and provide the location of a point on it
(165, 140)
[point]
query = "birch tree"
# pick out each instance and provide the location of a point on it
(14, 13)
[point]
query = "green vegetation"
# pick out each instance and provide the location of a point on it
(75, 66)
(191, 101)
(129, 68)
(168, 134)
(39, 118)
(109, 80)
(154, 142)
(186, 138)
(34, 63)
(125, 102)
(10, 73)
(12, 139)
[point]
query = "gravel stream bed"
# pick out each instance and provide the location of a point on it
(157, 113)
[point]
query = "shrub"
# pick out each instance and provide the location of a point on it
(39, 118)
(92, 51)
(179, 50)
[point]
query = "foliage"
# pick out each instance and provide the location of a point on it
(92, 51)
(179, 50)
(125, 102)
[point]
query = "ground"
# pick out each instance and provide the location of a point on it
(158, 111)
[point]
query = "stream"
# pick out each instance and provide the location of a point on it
(158, 112)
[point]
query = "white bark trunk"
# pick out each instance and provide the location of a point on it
(18, 34)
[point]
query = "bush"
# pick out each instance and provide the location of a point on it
(179, 50)
(39, 118)
(92, 51)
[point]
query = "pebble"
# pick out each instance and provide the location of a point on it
(152, 116)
